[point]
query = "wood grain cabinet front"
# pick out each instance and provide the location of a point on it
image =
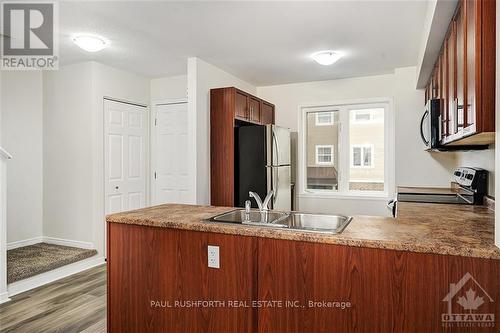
(255, 112)
(230, 108)
(159, 281)
(241, 109)
(467, 65)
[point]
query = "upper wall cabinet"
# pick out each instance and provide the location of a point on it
(230, 107)
(464, 76)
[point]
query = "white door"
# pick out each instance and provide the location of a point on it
(170, 155)
(125, 149)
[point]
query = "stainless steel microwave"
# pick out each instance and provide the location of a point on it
(430, 129)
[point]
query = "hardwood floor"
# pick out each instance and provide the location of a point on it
(73, 304)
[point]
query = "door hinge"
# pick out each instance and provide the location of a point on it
(155, 174)
(156, 121)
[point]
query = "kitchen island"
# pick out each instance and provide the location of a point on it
(380, 274)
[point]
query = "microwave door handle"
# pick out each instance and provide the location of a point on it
(422, 128)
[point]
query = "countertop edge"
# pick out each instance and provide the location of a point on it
(256, 231)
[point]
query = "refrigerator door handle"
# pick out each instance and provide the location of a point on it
(276, 187)
(277, 148)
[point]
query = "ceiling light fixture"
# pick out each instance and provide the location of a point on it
(326, 57)
(90, 43)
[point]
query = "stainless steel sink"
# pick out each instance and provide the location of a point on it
(267, 218)
(323, 223)
(319, 223)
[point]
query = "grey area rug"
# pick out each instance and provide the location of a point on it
(27, 261)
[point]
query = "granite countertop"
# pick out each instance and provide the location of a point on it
(427, 228)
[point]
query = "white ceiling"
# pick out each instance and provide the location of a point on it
(264, 43)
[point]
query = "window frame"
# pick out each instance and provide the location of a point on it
(363, 147)
(332, 154)
(344, 108)
(318, 123)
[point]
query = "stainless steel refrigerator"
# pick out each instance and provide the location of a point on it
(263, 164)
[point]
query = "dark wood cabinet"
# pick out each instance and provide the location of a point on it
(267, 113)
(467, 66)
(153, 274)
(283, 286)
(230, 108)
(241, 110)
(255, 112)
(388, 291)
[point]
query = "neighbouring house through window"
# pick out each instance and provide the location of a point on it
(362, 156)
(324, 154)
(345, 148)
(324, 118)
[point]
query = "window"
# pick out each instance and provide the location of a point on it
(365, 116)
(348, 157)
(322, 151)
(324, 155)
(362, 156)
(324, 118)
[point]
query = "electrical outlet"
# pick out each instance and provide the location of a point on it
(213, 256)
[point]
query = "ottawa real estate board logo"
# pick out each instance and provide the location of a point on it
(29, 36)
(467, 301)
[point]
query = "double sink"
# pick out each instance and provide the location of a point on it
(318, 223)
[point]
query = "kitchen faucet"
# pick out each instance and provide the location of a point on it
(262, 205)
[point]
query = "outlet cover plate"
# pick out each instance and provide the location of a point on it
(213, 256)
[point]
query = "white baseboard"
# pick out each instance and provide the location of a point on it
(24, 242)
(53, 275)
(4, 297)
(50, 240)
(68, 242)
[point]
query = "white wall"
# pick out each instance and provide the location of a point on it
(67, 144)
(21, 132)
(413, 166)
(202, 77)
(168, 88)
(73, 146)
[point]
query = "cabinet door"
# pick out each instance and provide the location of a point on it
(241, 107)
(442, 95)
(255, 109)
(471, 33)
(267, 113)
(461, 70)
(452, 83)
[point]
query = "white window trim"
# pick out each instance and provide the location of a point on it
(363, 146)
(332, 148)
(343, 162)
(318, 123)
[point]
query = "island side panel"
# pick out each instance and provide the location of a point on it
(152, 268)
(390, 291)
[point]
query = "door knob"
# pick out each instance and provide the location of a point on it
(117, 187)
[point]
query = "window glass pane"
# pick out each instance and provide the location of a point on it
(322, 150)
(324, 118)
(362, 116)
(367, 156)
(366, 139)
(356, 156)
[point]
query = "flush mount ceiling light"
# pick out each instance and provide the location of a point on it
(326, 57)
(90, 43)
